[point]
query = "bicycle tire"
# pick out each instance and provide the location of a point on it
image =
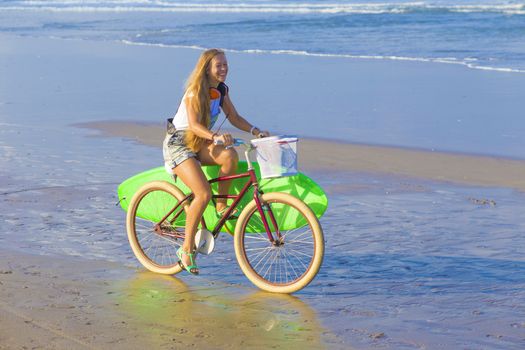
(155, 250)
(292, 267)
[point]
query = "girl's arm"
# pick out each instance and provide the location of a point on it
(238, 121)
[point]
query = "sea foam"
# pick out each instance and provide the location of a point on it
(270, 7)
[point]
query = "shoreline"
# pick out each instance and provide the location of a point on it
(322, 155)
(422, 106)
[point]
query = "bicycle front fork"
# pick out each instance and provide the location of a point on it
(266, 213)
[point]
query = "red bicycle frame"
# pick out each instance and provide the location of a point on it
(261, 207)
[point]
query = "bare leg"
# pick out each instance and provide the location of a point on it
(191, 174)
(227, 159)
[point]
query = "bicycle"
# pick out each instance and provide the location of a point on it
(278, 240)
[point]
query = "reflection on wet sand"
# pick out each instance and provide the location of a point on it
(172, 313)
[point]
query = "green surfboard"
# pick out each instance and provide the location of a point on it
(300, 186)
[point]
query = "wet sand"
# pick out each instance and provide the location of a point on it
(67, 303)
(323, 155)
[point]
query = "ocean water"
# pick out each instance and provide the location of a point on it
(480, 34)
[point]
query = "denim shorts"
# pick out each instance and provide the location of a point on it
(175, 151)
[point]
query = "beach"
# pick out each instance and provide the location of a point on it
(63, 303)
(425, 246)
(323, 155)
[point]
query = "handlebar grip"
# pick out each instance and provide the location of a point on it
(236, 142)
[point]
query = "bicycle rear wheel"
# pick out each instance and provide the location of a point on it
(293, 260)
(153, 233)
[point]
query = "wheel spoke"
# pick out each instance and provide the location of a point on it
(295, 274)
(270, 264)
(262, 259)
(298, 252)
(253, 249)
(298, 259)
(307, 234)
(258, 238)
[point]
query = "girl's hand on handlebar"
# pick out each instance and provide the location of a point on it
(262, 134)
(224, 139)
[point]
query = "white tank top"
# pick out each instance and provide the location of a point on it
(180, 120)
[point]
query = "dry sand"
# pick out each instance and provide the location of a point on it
(336, 156)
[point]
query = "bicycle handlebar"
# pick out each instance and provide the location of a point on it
(238, 142)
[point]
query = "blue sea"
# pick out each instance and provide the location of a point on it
(480, 34)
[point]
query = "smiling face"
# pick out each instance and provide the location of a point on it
(218, 69)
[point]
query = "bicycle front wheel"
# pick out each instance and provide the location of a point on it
(154, 231)
(291, 261)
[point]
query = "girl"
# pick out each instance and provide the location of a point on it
(190, 142)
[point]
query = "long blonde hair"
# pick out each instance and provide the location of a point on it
(198, 86)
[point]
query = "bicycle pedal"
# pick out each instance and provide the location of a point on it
(204, 242)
